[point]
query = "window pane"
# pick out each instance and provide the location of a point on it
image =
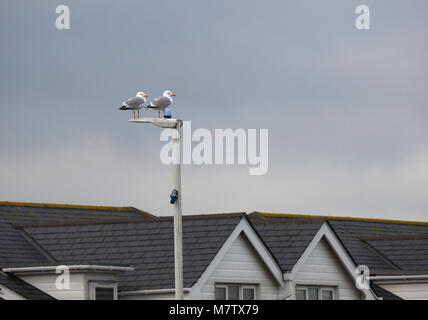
(104, 294)
(220, 293)
(313, 293)
(248, 294)
(233, 292)
(300, 294)
(327, 294)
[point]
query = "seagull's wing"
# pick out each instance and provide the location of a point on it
(135, 103)
(159, 103)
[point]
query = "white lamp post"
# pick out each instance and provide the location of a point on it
(175, 126)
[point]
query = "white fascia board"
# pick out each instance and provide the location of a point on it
(326, 232)
(82, 267)
(242, 227)
(400, 277)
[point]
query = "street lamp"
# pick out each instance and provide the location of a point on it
(175, 125)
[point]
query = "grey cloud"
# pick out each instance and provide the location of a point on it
(332, 97)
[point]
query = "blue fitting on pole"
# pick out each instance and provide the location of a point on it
(173, 196)
(167, 113)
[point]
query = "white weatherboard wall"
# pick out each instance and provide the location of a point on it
(46, 283)
(241, 264)
(324, 268)
(79, 284)
(408, 291)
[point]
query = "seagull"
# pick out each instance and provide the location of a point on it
(162, 102)
(135, 104)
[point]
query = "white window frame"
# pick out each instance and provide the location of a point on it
(222, 286)
(93, 285)
(247, 286)
(241, 289)
(320, 290)
(332, 290)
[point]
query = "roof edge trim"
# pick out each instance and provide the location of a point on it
(290, 215)
(73, 206)
(82, 267)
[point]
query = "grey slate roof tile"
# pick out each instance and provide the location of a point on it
(147, 245)
(16, 250)
(381, 245)
(287, 239)
(383, 293)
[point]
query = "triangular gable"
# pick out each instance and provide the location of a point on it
(325, 232)
(257, 244)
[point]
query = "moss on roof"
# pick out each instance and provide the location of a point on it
(72, 206)
(289, 215)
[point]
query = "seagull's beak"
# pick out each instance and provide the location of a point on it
(172, 94)
(146, 96)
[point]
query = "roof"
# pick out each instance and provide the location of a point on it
(27, 212)
(383, 293)
(145, 244)
(37, 234)
(16, 249)
(404, 253)
(286, 239)
(23, 288)
(385, 246)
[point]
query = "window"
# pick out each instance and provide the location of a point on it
(248, 293)
(314, 293)
(235, 291)
(327, 294)
(301, 294)
(220, 292)
(104, 293)
(102, 290)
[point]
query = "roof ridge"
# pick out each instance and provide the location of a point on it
(289, 221)
(73, 206)
(120, 221)
(290, 215)
(215, 215)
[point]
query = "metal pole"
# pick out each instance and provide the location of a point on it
(178, 239)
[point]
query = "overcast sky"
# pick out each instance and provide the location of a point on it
(346, 109)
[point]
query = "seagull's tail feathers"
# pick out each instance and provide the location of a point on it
(123, 108)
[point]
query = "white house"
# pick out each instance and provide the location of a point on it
(128, 254)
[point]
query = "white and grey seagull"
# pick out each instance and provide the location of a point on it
(162, 102)
(135, 104)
